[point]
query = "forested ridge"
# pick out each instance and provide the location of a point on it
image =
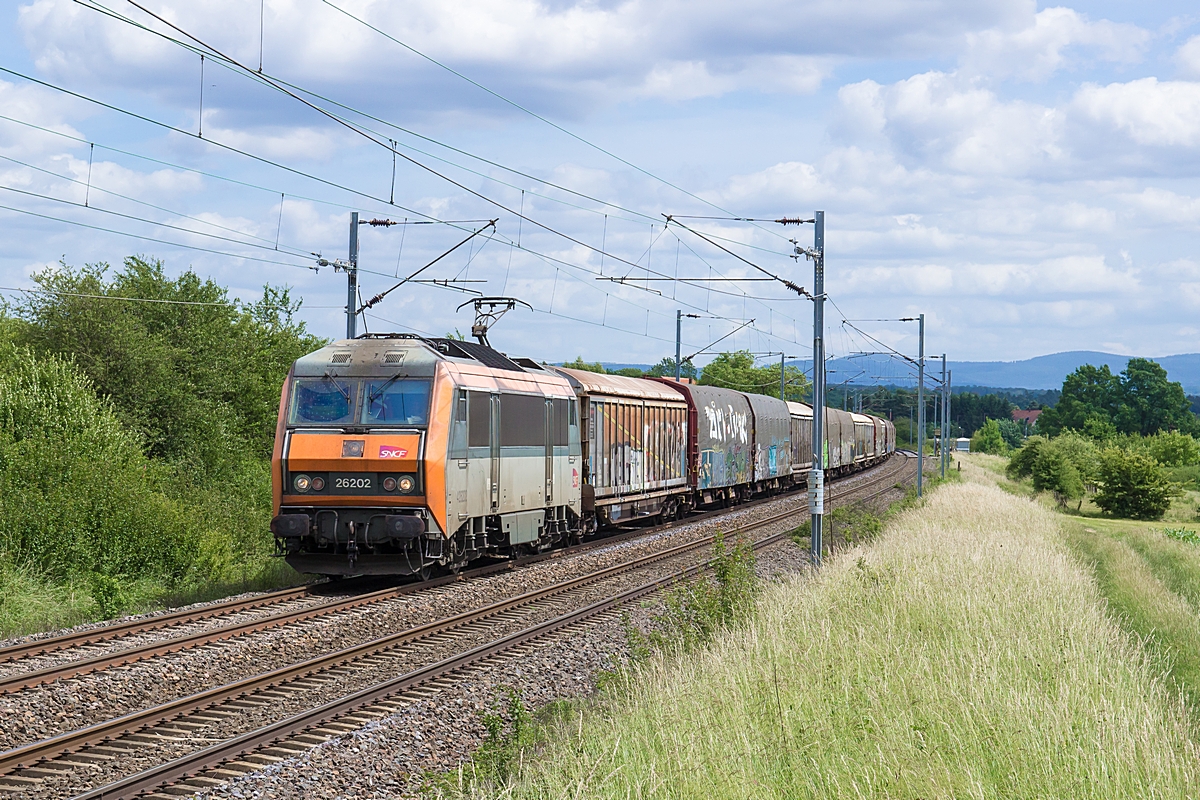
(135, 440)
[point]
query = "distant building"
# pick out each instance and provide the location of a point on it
(962, 445)
(1026, 419)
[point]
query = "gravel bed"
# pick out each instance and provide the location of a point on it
(40, 713)
(148, 615)
(111, 646)
(45, 711)
(393, 757)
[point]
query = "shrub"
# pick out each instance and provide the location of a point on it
(1020, 465)
(1172, 448)
(1133, 485)
(76, 494)
(1053, 472)
(1082, 453)
(989, 439)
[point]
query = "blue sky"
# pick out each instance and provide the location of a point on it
(1025, 175)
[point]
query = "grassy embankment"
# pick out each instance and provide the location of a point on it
(1151, 580)
(964, 653)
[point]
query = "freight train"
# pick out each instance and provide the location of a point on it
(406, 455)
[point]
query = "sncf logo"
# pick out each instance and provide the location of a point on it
(390, 451)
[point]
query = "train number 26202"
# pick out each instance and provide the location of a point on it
(352, 483)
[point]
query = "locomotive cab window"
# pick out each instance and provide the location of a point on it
(323, 401)
(402, 401)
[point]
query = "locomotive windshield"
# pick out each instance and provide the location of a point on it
(395, 402)
(323, 401)
(335, 401)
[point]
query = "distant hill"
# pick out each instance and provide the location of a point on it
(1042, 372)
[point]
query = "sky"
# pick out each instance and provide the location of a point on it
(1027, 176)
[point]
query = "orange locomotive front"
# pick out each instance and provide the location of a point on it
(400, 455)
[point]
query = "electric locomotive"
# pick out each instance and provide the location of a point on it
(396, 454)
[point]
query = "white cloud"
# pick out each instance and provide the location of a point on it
(1045, 45)
(593, 50)
(1188, 58)
(1148, 111)
(942, 118)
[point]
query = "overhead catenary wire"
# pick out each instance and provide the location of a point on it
(153, 239)
(530, 112)
(269, 162)
(298, 172)
(390, 144)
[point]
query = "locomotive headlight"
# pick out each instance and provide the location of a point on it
(302, 483)
(318, 483)
(389, 484)
(407, 484)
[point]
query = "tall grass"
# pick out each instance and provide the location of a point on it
(962, 654)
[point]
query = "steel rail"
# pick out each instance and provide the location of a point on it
(141, 723)
(31, 754)
(50, 644)
(195, 764)
(27, 680)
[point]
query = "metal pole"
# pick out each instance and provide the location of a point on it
(942, 414)
(816, 480)
(678, 337)
(949, 400)
(352, 279)
(921, 411)
(782, 379)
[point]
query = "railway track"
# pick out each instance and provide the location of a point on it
(84, 642)
(565, 605)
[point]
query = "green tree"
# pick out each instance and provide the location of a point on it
(1151, 403)
(1087, 392)
(1173, 449)
(1081, 452)
(1133, 485)
(988, 439)
(666, 369)
(1011, 432)
(737, 371)
(197, 376)
(1020, 464)
(580, 364)
(1138, 401)
(629, 372)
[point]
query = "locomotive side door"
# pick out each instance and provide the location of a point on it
(549, 424)
(494, 441)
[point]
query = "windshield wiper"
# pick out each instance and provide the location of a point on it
(344, 391)
(379, 392)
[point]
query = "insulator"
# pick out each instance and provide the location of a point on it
(381, 223)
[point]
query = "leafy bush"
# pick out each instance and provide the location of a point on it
(1182, 535)
(1172, 448)
(1133, 485)
(76, 494)
(989, 439)
(1020, 464)
(1053, 472)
